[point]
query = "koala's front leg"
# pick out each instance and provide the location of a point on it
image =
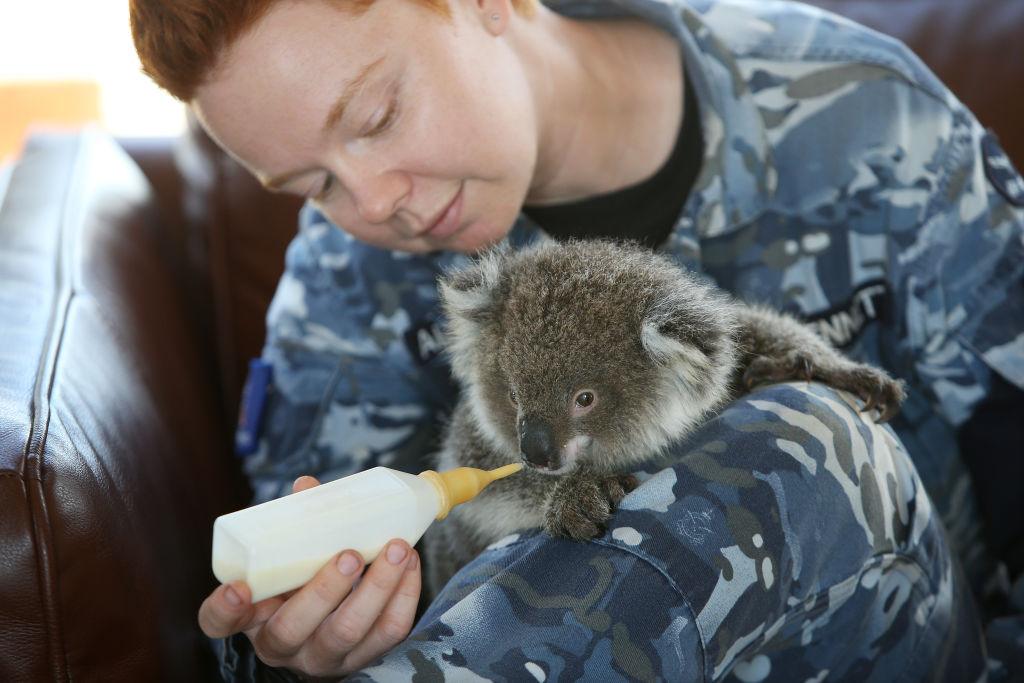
(581, 503)
(777, 348)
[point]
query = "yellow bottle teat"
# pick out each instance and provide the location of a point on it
(464, 483)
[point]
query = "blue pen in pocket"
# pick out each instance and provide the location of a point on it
(254, 399)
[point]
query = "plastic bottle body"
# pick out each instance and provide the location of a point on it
(281, 544)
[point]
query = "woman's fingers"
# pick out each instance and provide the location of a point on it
(343, 630)
(304, 482)
(288, 630)
(394, 623)
(340, 611)
(265, 609)
(226, 610)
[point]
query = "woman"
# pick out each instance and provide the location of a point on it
(791, 156)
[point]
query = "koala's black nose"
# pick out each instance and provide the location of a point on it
(536, 442)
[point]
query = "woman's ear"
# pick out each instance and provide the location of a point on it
(494, 15)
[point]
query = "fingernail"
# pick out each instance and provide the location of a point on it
(396, 553)
(233, 598)
(348, 564)
(413, 562)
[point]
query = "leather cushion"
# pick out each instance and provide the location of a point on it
(113, 463)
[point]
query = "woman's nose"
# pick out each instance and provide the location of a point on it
(378, 196)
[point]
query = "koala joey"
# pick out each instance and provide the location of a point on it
(585, 359)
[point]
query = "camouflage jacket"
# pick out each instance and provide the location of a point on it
(842, 182)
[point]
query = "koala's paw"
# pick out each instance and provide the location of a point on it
(772, 369)
(877, 389)
(580, 505)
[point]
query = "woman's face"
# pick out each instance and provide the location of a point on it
(385, 119)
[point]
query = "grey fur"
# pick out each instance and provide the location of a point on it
(657, 349)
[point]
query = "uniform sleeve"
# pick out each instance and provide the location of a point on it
(963, 292)
(357, 377)
(790, 540)
(964, 273)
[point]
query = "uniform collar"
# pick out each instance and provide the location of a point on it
(737, 178)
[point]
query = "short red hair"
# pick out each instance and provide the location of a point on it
(180, 41)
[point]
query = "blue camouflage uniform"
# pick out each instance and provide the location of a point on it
(792, 539)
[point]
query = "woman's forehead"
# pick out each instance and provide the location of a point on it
(306, 42)
(287, 67)
(296, 35)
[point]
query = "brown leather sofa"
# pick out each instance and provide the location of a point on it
(134, 276)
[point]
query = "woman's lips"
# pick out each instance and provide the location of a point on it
(449, 221)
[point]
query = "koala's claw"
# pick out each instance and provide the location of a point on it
(874, 387)
(879, 392)
(581, 504)
(886, 397)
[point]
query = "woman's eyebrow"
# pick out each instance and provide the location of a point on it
(338, 110)
(333, 117)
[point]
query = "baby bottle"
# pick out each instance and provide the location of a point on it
(281, 544)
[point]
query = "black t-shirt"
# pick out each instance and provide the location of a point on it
(646, 212)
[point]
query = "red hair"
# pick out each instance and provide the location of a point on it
(179, 42)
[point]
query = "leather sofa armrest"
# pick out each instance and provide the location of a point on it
(114, 457)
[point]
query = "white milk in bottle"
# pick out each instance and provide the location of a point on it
(281, 544)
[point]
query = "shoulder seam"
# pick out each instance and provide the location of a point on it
(863, 57)
(671, 582)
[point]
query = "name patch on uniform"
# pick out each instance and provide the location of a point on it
(842, 324)
(1000, 171)
(425, 341)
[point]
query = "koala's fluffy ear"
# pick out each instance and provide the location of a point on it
(470, 292)
(689, 335)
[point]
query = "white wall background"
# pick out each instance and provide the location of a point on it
(88, 40)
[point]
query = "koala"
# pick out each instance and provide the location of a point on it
(584, 360)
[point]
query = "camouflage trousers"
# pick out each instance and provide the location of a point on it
(790, 540)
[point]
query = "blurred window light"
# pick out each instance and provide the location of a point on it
(64, 63)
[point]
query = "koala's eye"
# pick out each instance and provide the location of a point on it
(512, 396)
(584, 399)
(583, 403)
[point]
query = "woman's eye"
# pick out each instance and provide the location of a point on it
(326, 188)
(389, 118)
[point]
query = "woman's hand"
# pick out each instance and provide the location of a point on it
(325, 628)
